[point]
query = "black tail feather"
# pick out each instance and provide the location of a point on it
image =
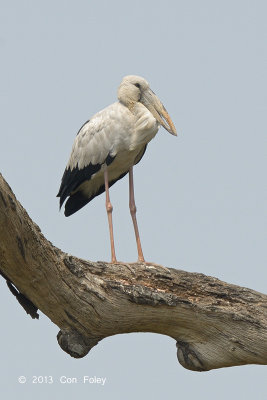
(75, 202)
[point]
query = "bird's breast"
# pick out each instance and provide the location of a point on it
(145, 127)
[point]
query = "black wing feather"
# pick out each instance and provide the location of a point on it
(72, 179)
(78, 200)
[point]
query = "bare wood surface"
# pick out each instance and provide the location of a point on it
(215, 324)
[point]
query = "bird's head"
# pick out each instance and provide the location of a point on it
(135, 89)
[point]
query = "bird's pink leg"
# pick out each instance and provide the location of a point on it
(133, 214)
(109, 209)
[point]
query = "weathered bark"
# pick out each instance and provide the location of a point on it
(215, 324)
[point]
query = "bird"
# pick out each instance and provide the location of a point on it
(108, 146)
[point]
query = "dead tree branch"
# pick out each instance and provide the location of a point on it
(215, 324)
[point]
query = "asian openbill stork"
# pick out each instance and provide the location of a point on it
(108, 146)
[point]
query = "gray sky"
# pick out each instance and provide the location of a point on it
(200, 196)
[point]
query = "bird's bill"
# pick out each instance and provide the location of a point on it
(157, 109)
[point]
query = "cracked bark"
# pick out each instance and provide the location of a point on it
(215, 324)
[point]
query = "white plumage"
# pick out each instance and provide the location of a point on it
(111, 142)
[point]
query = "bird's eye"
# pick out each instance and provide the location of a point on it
(137, 85)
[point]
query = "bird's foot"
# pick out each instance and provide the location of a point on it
(147, 264)
(152, 264)
(115, 261)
